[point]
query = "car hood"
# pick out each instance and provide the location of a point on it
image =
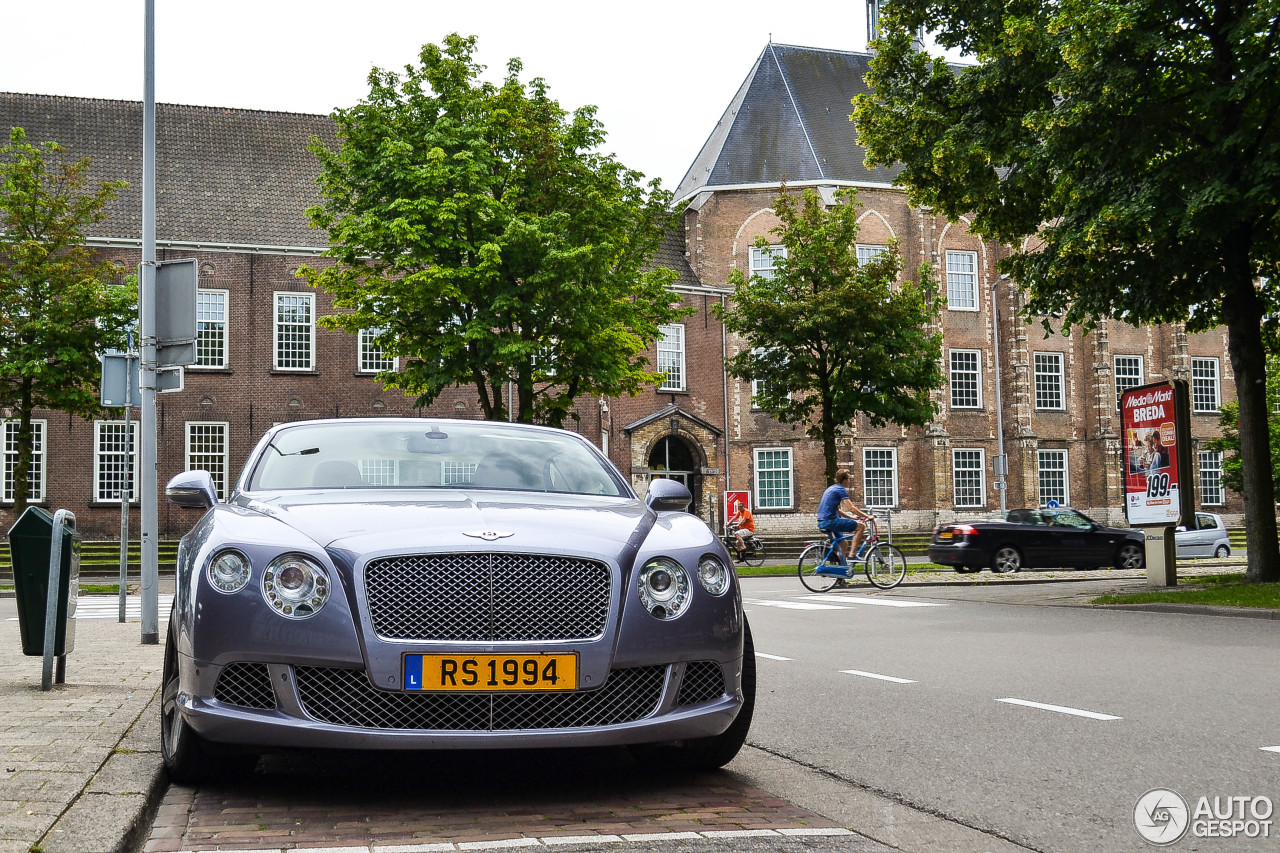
(363, 521)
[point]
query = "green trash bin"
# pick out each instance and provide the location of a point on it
(31, 545)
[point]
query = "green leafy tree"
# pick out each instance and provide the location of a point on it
(479, 229)
(1229, 444)
(830, 339)
(59, 305)
(1128, 151)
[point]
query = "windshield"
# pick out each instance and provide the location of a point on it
(431, 454)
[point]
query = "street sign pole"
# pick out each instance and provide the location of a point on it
(128, 482)
(146, 322)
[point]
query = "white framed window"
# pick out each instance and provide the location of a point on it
(115, 460)
(880, 476)
(380, 472)
(774, 474)
(1211, 491)
(962, 281)
(372, 359)
(207, 451)
(295, 331)
(966, 379)
(211, 328)
(1051, 467)
(1205, 393)
(868, 253)
(671, 357)
(1129, 373)
(1048, 378)
(758, 385)
(969, 477)
(35, 473)
(763, 260)
(458, 473)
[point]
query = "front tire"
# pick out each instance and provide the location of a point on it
(710, 753)
(1007, 560)
(186, 757)
(807, 568)
(1130, 556)
(886, 565)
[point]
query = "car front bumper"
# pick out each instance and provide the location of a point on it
(268, 705)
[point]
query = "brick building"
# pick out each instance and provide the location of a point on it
(232, 186)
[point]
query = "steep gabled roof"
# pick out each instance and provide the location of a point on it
(228, 176)
(788, 121)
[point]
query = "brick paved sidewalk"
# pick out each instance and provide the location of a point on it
(79, 764)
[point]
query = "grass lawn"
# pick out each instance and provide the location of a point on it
(1224, 590)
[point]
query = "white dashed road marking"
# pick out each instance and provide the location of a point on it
(1270, 748)
(793, 605)
(770, 657)
(1076, 712)
(879, 602)
(876, 675)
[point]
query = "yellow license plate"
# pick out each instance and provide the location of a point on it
(946, 534)
(490, 673)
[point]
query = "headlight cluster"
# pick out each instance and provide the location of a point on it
(665, 587)
(295, 586)
(228, 571)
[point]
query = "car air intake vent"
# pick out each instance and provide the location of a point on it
(703, 682)
(344, 697)
(247, 685)
(487, 597)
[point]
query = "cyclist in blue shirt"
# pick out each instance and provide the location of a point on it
(838, 515)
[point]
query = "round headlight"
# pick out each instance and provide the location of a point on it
(713, 575)
(295, 586)
(664, 588)
(228, 571)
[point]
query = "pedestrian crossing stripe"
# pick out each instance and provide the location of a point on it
(108, 607)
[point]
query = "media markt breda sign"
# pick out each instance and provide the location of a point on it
(1157, 453)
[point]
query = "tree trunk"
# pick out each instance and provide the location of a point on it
(22, 468)
(1242, 309)
(829, 439)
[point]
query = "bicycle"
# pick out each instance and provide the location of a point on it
(822, 564)
(754, 555)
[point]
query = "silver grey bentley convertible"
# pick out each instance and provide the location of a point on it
(412, 583)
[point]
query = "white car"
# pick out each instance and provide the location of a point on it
(1208, 539)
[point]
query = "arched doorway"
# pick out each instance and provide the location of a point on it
(671, 457)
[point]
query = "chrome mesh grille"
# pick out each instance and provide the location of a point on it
(344, 697)
(703, 682)
(487, 597)
(247, 685)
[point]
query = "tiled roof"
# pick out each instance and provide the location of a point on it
(222, 175)
(670, 254)
(788, 121)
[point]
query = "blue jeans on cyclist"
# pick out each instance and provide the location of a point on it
(839, 527)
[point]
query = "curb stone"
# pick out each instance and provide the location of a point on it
(114, 811)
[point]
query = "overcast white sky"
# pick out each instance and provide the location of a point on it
(661, 72)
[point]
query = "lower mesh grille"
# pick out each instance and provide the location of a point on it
(703, 682)
(247, 685)
(344, 697)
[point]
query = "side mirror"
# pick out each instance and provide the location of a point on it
(1180, 529)
(193, 490)
(668, 496)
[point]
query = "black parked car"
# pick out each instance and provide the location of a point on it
(1036, 538)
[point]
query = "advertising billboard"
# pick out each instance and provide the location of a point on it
(1157, 472)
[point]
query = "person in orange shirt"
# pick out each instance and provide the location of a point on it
(741, 521)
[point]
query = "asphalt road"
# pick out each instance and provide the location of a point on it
(928, 705)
